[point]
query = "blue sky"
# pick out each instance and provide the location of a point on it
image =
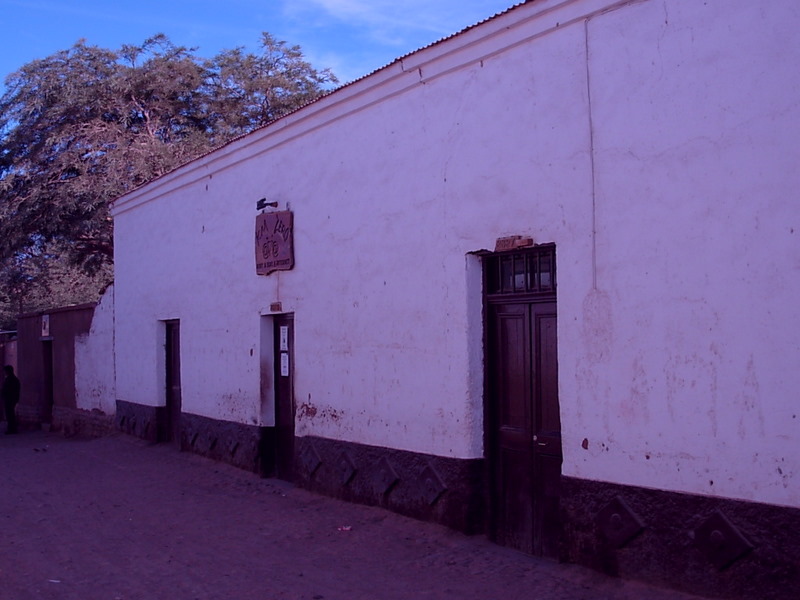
(352, 37)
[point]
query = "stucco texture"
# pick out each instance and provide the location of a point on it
(653, 142)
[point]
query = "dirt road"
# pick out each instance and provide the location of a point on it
(119, 519)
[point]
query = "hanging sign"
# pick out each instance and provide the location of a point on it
(274, 242)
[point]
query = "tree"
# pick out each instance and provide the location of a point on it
(247, 91)
(44, 281)
(86, 125)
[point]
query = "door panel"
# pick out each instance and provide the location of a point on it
(510, 374)
(547, 527)
(513, 374)
(547, 431)
(547, 370)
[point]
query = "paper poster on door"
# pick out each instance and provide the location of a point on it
(284, 364)
(284, 338)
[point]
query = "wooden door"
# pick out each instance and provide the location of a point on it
(48, 377)
(284, 395)
(523, 431)
(547, 455)
(511, 425)
(173, 382)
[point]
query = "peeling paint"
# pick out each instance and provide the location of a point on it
(310, 411)
(306, 411)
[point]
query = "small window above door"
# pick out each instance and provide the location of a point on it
(521, 272)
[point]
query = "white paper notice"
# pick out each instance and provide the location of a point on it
(284, 364)
(284, 338)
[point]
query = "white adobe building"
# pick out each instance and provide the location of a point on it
(545, 284)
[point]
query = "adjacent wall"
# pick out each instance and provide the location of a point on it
(686, 346)
(46, 363)
(653, 141)
(386, 333)
(66, 368)
(649, 142)
(94, 360)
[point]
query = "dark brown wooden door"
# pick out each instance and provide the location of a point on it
(524, 432)
(284, 396)
(173, 358)
(48, 391)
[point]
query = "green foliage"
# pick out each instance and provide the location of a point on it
(250, 90)
(85, 125)
(46, 280)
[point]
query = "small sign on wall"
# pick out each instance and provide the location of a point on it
(512, 242)
(45, 325)
(274, 242)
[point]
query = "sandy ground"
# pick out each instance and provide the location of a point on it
(120, 519)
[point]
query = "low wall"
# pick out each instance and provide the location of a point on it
(706, 545)
(248, 447)
(81, 423)
(432, 488)
(146, 422)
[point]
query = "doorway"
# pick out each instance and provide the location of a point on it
(48, 377)
(523, 427)
(284, 395)
(173, 382)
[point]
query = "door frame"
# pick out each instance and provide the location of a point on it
(503, 285)
(172, 382)
(285, 406)
(47, 381)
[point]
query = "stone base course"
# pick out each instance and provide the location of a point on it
(715, 547)
(81, 423)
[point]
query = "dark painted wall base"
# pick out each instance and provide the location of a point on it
(245, 446)
(81, 423)
(714, 547)
(709, 546)
(146, 422)
(432, 488)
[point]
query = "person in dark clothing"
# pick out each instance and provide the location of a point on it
(10, 394)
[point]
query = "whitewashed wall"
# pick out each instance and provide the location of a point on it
(689, 345)
(669, 129)
(94, 360)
